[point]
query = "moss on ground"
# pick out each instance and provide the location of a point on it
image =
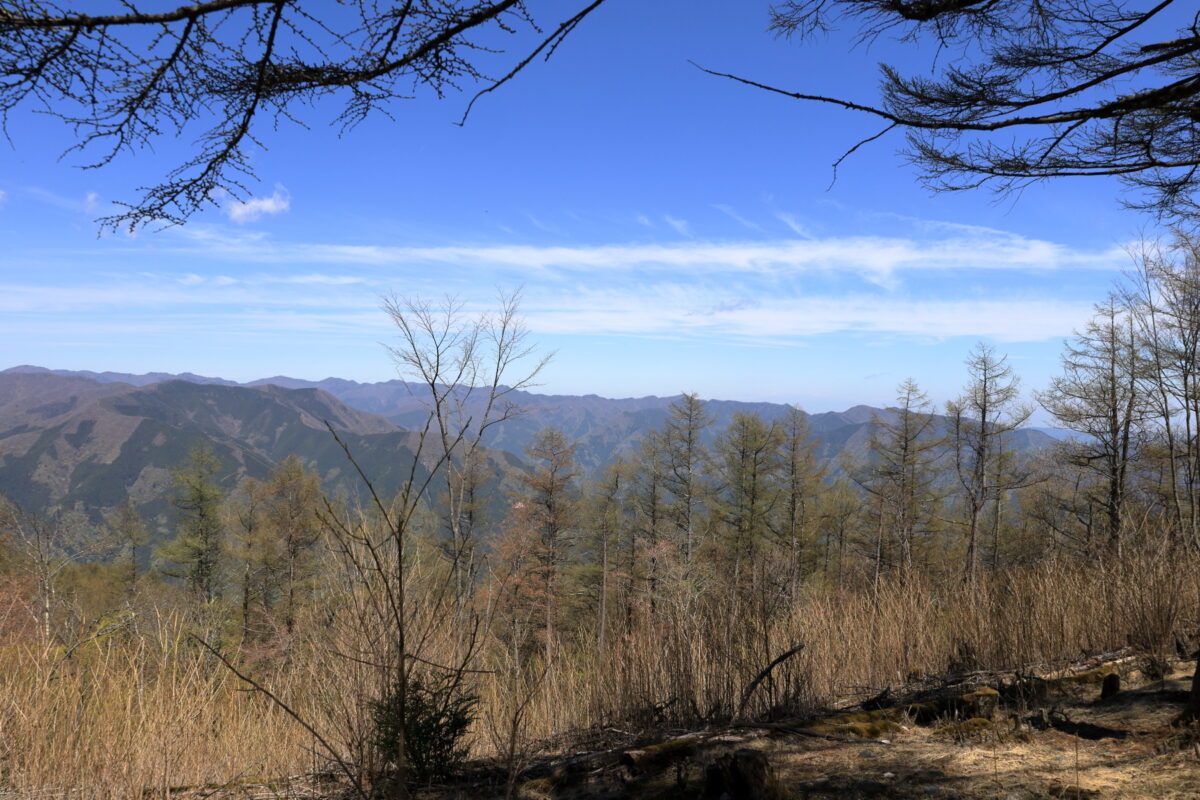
(864, 724)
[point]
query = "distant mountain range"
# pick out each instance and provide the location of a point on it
(81, 442)
(87, 438)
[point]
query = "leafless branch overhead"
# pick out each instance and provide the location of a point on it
(219, 71)
(1033, 89)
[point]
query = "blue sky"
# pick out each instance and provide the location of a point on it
(670, 231)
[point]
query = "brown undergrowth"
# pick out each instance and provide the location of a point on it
(139, 710)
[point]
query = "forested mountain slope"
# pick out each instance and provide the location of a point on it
(76, 442)
(602, 429)
(86, 439)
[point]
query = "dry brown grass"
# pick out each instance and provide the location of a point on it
(143, 709)
(133, 711)
(688, 664)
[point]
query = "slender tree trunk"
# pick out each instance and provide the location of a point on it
(246, 602)
(289, 619)
(970, 572)
(841, 559)
(603, 615)
(878, 558)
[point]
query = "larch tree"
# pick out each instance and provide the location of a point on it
(514, 586)
(801, 476)
(608, 517)
(1099, 395)
(838, 510)
(196, 553)
(748, 473)
(989, 409)
(293, 499)
(647, 536)
(1165, 302)
(251, 550)
(900, 472)
(552, 518)
(684, 474)
(130, 534)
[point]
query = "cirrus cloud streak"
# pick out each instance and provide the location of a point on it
(871, 256)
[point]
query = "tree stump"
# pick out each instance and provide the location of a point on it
(742, 775)
(1111, 685)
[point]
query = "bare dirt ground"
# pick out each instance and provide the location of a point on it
(1138, 753)
(1005, 762)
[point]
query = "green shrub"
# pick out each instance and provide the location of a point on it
(437, 713)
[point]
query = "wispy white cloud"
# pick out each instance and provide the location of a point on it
(72, 204)
(147, 292)
(679, 225)
(243, 211)
(275, 323)
(306, 279)
(732, 213)
(939, 283)
(797, 227)
(680, 312)
(3, 198)
(538, 223)
(313, 278)
(877, 258)
(667, 309)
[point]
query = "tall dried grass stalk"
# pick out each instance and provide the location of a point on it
(143, 709)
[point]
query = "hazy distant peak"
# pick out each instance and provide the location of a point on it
(284, 381)
(144, 379)
(24, 369)
(859, 414)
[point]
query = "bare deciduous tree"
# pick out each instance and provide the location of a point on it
(462, 362)
(46, 545)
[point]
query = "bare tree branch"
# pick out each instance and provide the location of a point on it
(217, 70)
(1077, 92)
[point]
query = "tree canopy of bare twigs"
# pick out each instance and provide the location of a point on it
(223, 70)
(462, 362)
(1024, 90)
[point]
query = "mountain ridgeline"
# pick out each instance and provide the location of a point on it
(88, 440)
(81, 443)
